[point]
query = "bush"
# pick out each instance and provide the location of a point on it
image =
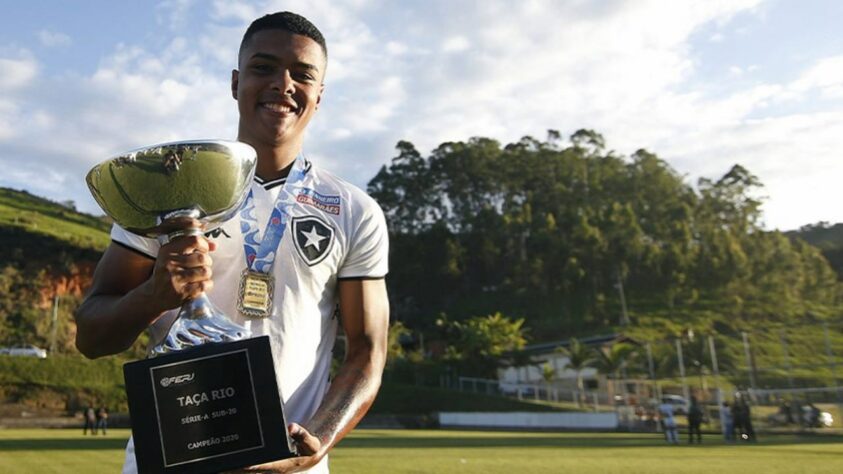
(63, 382)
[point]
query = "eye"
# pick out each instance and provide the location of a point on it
(304, 77)
(261, 68)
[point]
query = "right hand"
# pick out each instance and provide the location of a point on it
(182, 271)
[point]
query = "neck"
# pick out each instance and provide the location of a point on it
(275, 162)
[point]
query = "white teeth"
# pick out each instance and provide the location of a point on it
(279, 108)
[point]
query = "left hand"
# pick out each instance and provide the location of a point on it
(308, 447)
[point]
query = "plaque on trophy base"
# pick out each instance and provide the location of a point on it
(207, 409)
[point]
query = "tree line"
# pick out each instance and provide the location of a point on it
(565, 232)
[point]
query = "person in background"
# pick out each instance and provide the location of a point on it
(727, 423)
(669, 423)
(744, 419)
(695, 418)
(90, 421)
(102, 420)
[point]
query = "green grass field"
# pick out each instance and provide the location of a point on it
(445, 451)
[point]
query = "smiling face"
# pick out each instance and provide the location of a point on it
(278, 87)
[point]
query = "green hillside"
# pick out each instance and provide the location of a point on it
(828, 238)
(49, 250)
(822, 235)
(21, 211)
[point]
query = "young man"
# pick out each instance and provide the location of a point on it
(332, 255)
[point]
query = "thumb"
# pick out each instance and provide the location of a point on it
(306, 442)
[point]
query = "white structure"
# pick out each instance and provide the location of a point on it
(564, 377)
(530, 420)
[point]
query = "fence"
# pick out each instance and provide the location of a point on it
(774, 366)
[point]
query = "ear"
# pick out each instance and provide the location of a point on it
(319, 97)
(235, 80)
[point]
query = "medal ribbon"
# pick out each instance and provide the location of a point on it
(261, 249)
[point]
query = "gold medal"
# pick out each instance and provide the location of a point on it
(254, 299)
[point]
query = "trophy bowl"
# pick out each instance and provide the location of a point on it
(152, 191)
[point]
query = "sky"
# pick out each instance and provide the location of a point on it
(703, 84)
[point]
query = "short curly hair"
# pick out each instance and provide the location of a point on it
(287, 21)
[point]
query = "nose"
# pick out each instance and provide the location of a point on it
(284, 82)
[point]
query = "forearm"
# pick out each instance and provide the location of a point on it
(352, 392)
(109, 324)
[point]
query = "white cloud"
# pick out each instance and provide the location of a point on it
(225, 10)
(429, 72)
(396, 48)
(175, 14)
(826, 76)
(52, 39)
(17, 72)
(455, 44)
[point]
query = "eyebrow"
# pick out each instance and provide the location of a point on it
(272, 57)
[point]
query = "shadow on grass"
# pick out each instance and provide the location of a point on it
(61, 444)
(365, 440)
(589, 441)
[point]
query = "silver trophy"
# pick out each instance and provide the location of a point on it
(153, 191)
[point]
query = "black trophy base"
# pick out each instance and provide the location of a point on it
(211, 408)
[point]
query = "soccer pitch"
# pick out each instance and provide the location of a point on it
(447, 451)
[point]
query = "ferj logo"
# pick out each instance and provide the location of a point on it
(177, 380)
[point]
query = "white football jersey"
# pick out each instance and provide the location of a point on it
(335, 231)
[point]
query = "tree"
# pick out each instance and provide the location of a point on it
(405, 191)
(611, 360)
(579, 358)
(548, 374)
(478, 345)
(549, 230)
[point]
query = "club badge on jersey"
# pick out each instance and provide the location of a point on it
(257, 285)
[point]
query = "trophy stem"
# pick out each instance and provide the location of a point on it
(175, 224)
(199, 322)
(197, 308)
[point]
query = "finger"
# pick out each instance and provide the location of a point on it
(307, 443)
(193, 260)
(186, 245)
(183, 276)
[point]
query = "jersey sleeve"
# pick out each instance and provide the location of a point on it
(368, 254)
(143, 245)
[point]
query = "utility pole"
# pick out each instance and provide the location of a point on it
(715, 368)
(55, 324)
(656, 392)
(619, 286)
(685, 391)
(750, 362)
(421, 344)
(833, 363)
(787, 365)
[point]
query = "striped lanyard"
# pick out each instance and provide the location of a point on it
(262, 249)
